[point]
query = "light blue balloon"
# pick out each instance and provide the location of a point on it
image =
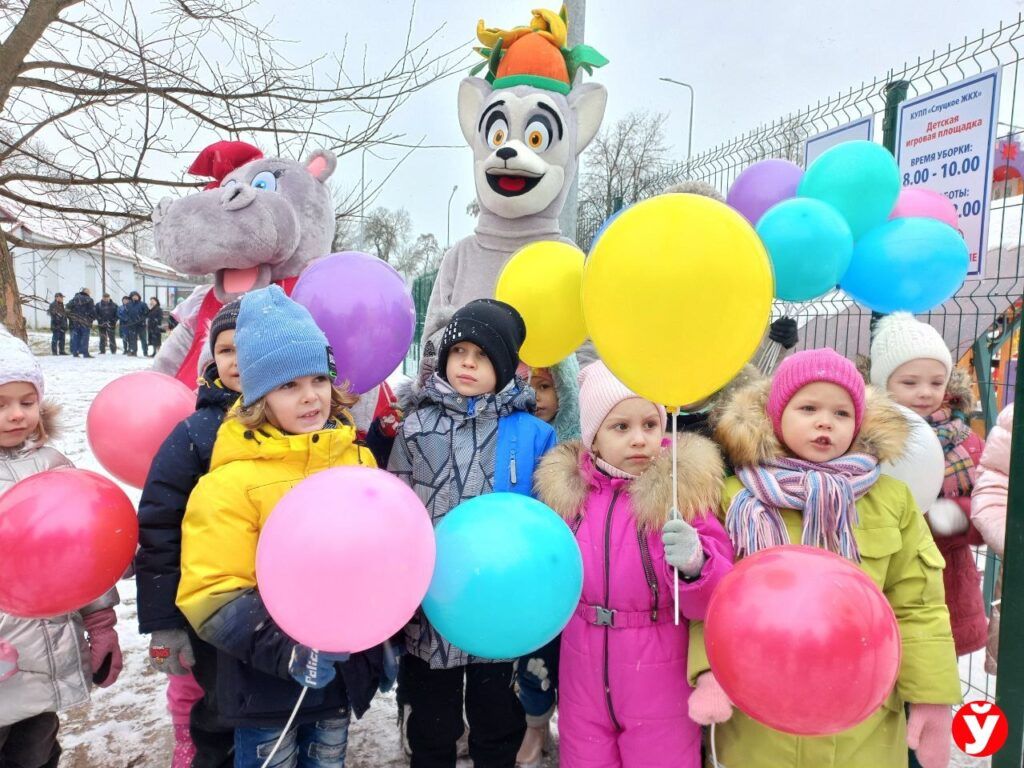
(508, 576)
(860, 179)
(810, 245)
(603, 227)
(910, 264)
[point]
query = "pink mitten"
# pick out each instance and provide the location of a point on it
(104, 649)
(928, 733)
(708, 702)
(8, 660)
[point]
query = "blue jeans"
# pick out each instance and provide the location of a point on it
(79, 340)
(313, 745)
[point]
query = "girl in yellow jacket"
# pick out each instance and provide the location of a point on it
(290, 424)
(816, 427)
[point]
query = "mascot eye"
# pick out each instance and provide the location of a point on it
(265, 180)
(497, 133)
(538, 135)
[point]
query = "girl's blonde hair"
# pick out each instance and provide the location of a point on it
(255, 416)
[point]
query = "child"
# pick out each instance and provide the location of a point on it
(291, 423)
(558, 397)
(622, 675)
(183, 458)
(472, 434)
(816, 426)
(46, 665)
(910, 360)
(988, 507)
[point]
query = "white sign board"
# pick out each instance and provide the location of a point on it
(863, 129)
(944, 142)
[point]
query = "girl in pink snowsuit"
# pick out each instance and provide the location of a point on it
(623, 693)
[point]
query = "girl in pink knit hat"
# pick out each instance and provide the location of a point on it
(807, 448)
(622, 692)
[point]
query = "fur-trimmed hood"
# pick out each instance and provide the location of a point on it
(745, 434)
(565, 375)
(567, 475)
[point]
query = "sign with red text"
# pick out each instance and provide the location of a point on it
(944, 142)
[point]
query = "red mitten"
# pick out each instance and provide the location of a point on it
(928, 733)
(8, 660)
(708, 702)
(104, 648)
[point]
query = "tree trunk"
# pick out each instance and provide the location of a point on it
(26, 33)
(10, 298)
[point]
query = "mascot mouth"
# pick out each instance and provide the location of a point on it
(511, 185)
(232, 283)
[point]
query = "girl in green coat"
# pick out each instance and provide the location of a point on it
(815, 426)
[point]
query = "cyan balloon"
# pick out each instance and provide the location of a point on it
(603, 227)
(860, 179)
(810, 245)
(508, 576)
(910, 264)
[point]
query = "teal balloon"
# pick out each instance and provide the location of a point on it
(810, 245)
(860, 179)
(508, 576)
(912, 265)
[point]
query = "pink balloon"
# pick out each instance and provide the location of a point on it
(345, 559)
(130, 419)
(925, 203)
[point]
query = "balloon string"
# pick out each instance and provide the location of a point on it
(675, 501)
(714, 751)
(287, 727)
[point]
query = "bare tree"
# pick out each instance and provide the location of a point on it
(473, 208)
(347, 234)
(386, 232)
(96, 100)
(627, 161)
(422, 256)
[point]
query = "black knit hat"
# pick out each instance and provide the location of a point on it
(225, 320)
(494, 326)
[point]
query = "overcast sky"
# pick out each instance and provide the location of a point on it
(748, 61)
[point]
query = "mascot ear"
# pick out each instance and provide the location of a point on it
(588, 101)
(321, 164)
(472, 92)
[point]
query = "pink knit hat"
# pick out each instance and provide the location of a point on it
(810, 366)
(600, 391)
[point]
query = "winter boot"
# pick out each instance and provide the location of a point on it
(184, 749)
(536, 742)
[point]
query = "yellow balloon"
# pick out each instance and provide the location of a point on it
(542, 280)
(676, 295)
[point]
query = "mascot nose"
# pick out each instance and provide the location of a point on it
(237, 196)
(506, 153)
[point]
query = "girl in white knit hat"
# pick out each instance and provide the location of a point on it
(910, 359)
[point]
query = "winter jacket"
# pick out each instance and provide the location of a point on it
(897, 552)
(454, 448)
(622, 678)
(54, 671)
(122, 315)
(106, 313)
(154, 320)
(250, 471)
(988, 507)
(58, 316)
(81, 310)
(183, 458)
(135, 314)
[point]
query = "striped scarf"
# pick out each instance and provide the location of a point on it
(825, 493)
(960, 470)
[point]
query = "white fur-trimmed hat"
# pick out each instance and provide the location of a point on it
(17, 363)
(900, 338)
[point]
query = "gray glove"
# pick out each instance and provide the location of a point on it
(682, 547)
(171, 652)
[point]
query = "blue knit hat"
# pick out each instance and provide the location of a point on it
(277, 341)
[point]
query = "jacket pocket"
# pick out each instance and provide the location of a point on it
(877, 546)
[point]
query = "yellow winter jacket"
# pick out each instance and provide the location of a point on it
(249, 472)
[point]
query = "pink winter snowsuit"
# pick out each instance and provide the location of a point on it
(622, 682)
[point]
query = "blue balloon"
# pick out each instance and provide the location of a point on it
(603, 227)
(910, 264)
(860, 179)
(810, 244)
(508, 576)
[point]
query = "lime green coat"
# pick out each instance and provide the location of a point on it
(898, 553)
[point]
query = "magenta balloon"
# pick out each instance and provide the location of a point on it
(363, 306)
(345, 558)
(918, 202)
(763, 185)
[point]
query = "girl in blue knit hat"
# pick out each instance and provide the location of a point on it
(291, 422)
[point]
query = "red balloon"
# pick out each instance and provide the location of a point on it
(131, 417)
(802, 640)
(66, 537)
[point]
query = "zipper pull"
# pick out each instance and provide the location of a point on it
(512, 469)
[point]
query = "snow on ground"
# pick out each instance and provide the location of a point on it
(127, 725)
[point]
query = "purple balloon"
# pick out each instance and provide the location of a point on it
(763, 185)
(362, 305)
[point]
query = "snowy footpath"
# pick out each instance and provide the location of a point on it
(127, 725)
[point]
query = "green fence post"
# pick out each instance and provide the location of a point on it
(1010, 681)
